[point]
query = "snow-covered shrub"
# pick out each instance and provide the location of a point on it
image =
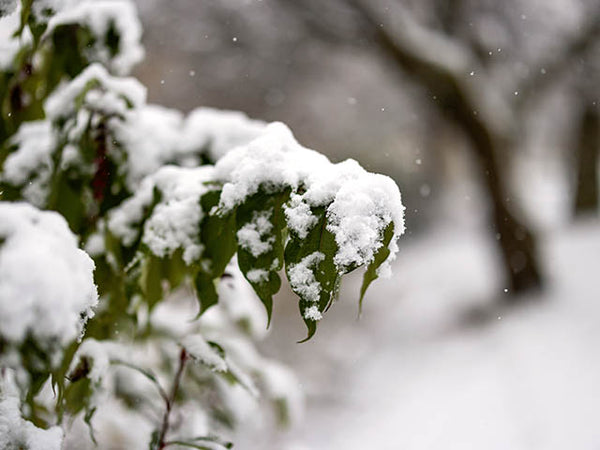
(115, 213)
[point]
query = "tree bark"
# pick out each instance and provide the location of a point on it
(588, 145)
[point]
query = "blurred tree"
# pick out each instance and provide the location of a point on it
(433, 44)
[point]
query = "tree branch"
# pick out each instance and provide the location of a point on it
(169, 401)
(558, 65)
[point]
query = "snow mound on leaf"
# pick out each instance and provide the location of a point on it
(47, 289)
(359, 205)
(15, 431)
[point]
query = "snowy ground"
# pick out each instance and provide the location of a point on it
(416, 373)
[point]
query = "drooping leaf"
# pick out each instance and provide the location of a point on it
(262, 215)
(381, 255)
(217, 234)
(311, 270)
(150, 280)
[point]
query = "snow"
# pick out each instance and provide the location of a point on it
(419, 372)
(47, 287)
(173, 223)
(7, 7)
(116, 426)
(218, 131)
(152, 136)
(312, 313)
(99, 16)
(359, 204)
(149, 137)
(258, 275)
(360, 211)
(16, 432)
(9, 44)
(239, 302)
(299, 217)
(202, 352)
(254, 236)
(274, 160)
(31, 164)
(280, 382)
(302, 277)
(109, 96)
(97, 354)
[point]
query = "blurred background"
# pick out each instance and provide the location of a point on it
(486, 115)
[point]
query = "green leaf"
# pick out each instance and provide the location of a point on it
(217, 234)
(89, 414)
(151, 280)
(205, 291)
(301, 254)
(381, 255)
(261, 270)
(78, 395)
(59, 377)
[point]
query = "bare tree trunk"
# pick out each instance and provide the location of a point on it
(516, 242)
(588, 145)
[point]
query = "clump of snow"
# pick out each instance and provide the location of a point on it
(312, 313)
(359, 205)
(218, 131)
(47, 286)
(9, 43)
(97, 355)
(302, 277)
(15, 431)
(299, 217)
(258, 275)
(7, 7)
(362, 209)
(201, 351)
(254, 236)
(152, 136)
(99, 17)
(30, 165)
(149, 137)
(42, 10)
(272, 161)
(97, 90)
(174, 222)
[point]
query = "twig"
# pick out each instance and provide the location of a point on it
(170, 400)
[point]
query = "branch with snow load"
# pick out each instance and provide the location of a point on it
(273, 202)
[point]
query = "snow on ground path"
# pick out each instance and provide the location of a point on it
(408, 377)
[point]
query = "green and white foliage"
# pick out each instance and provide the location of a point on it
(115, 213)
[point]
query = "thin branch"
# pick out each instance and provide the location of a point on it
(170, 400)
